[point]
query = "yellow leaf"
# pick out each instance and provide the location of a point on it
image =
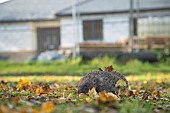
(120, 83)
(106, 97)
(1, 87)
(88, 99)
(23, 83)
(47, 107)
(102, 97)
(156, 93)
(159, 81)
(70, 96)
(113, 96)
(43, 95)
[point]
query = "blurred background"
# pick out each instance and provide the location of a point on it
(87, 28)
(84, 35)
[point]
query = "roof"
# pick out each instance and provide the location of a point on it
(17, 10)
(106, 6)
(25, 10)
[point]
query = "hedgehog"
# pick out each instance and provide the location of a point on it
(102, 80)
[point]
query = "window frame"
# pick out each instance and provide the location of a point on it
(93, 28)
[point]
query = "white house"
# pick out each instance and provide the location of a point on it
(103, 23)
(28, 27)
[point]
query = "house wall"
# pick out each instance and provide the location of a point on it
(114, 29)
(115, 26)
(18, 40)
(68, 35)
(22, 36)
(16, 37)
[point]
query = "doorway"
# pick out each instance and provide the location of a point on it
(48, 39)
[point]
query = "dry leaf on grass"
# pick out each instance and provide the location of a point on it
(23, 83)
(47, 107)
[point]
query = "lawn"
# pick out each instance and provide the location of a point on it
(79, 67)
(38, 87)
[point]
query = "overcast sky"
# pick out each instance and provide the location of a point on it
(1, 1)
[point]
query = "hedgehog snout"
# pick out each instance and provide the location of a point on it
(84, 88)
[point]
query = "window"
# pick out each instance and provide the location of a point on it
(154, 26)
(93, 30)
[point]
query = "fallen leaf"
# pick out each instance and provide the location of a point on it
(47, 107)
(23, 83)
(106, 97)
(70, 96)
(155, 92)
(109, 68)
(137, 92)
(93, 92)
(38, 91)
(88, 99)
(120, 83)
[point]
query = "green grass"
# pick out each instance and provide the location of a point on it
(79, 67)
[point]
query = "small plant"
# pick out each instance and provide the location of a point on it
(164, 54)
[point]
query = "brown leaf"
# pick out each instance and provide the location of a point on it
(144, 96)
(4, 109)
(38, 91)
(131, 93)
(109, 68)
(137, 92)
(46, 89)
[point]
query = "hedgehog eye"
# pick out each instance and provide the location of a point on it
(94, 80)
